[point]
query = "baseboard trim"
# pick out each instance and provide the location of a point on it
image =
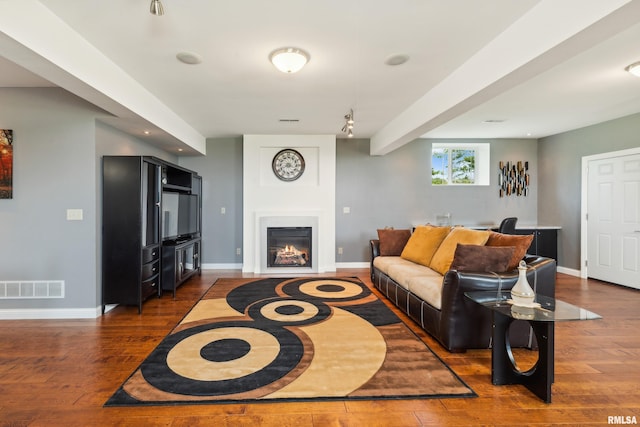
(353, 265)
(222, 266)
(49, 313)
(569, 271)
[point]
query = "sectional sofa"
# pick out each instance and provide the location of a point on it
(426, 271)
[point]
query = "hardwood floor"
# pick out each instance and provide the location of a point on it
(60, 372)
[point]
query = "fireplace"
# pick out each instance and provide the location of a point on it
(289, 247)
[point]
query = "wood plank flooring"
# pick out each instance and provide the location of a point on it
(60, 372)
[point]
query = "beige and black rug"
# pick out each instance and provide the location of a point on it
(289, 339)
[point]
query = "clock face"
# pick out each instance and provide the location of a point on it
(288, 165)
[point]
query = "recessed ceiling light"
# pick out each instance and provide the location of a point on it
(397, 59)
(146, 132)
(190, 58)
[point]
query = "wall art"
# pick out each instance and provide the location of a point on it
(6, 164)
(513, 178)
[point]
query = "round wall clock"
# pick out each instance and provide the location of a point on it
(288, 164)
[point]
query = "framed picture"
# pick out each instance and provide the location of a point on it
(6, 164)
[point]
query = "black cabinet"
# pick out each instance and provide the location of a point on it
(132, 225)
(130, 230)
(545, 241)
(180, 261)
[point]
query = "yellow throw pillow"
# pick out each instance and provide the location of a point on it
(423, 243)
(441, 260)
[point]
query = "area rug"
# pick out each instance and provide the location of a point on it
(279, 339)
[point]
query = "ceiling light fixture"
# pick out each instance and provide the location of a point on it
(348, 124)
(289, 59)
(156, 8)
(634, 69)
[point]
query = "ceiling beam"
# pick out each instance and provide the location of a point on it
(548, 34)
(36, 39)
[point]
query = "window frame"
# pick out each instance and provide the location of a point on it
(482, 162)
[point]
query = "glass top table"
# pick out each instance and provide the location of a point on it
(541, 315)
(544, 309)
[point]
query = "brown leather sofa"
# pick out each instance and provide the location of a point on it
(460, 323)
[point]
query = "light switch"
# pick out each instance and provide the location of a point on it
(223, 211)
(74, 214)
(346, 210)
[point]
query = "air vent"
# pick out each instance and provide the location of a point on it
(31, 289)
(289, 120)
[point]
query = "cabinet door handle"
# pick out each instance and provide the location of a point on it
(153, 285)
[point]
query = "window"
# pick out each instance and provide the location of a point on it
(460, 164)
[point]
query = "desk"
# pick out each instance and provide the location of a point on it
(542, 319)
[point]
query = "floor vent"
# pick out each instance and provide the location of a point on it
(31, 289)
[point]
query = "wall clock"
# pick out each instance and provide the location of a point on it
(288, 164)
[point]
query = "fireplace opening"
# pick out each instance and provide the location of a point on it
(289, 247)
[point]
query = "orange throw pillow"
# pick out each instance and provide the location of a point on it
(423, 243)
(443, 257)
(520, 243)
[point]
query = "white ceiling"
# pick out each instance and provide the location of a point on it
(540, 67)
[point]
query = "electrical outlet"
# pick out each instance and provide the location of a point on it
(346, 210)
(339, 251)
(238, 251)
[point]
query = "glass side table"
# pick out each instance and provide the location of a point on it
(542, 316)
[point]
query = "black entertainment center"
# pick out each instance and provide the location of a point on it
(151, 228)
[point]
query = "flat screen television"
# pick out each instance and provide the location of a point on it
(179, 215)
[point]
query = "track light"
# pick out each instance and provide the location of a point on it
(348, 125)
(156, 8)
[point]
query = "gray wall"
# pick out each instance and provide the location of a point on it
(560, 163)
(57, 150)
(221, 172)
(395, 190)
(54, 161)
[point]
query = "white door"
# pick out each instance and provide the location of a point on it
(613, 221)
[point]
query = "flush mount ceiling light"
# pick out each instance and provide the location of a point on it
(289, 59)
(348, 124)
(634, 68)
(156, 8)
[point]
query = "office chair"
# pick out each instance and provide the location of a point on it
(508, 226)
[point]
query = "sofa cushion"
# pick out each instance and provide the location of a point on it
(443, 257)
(383, 263)
(482, 258)
(428, 288)
(392, 241)
(423, 243)
(404, 272)
(520, 244)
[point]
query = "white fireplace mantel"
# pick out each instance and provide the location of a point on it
(308, 201)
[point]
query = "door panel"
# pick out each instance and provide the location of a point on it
(613, 227)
